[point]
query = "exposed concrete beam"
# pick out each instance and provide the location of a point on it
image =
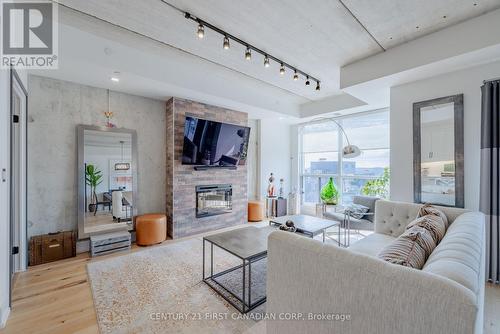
(469, 36)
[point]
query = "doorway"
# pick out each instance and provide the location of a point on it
(18, 174)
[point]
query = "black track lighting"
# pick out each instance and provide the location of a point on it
(201, 31)
(225, 45)
(248, 54)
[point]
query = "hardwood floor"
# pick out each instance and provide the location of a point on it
(56, 298)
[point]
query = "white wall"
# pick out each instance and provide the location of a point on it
(467, 82)
(253, 159)
(5, 190)
(275, 154)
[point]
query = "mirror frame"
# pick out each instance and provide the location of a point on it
(81, 175)
(458, 102)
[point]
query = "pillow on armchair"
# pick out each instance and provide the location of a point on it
(356, 210)
(367, 201)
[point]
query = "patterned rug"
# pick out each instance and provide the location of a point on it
(160, 290)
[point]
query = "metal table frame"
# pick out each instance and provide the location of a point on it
(245, 306)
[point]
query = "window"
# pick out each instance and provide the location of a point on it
(321, 155)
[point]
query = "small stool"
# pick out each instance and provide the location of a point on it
(150, 229)
(255, 211)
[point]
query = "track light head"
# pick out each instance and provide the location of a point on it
(248, 54)
(225, 45)
(266, 61)
(282, 69)
(307, 81)
(295, 76)
(317, 85)
(201, 31)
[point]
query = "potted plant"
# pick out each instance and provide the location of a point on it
(329, 194)
(93, 179)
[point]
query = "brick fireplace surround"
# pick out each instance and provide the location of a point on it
(183, 179)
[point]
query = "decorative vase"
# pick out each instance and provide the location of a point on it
(329, 194)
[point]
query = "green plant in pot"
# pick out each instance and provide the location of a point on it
(93, 178)
(329, 194)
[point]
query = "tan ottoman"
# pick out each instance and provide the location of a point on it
(150, 229)
(255, 211)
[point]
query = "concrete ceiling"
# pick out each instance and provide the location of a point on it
(158, 54)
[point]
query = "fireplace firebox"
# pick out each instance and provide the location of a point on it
(213, 200)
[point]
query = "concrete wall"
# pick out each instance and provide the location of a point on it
(5, 190)
(56, 108)
(467, 82)
(183, 179)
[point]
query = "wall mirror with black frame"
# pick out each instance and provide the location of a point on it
(438, 151)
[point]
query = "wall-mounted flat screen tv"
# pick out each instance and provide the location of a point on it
(209, 143)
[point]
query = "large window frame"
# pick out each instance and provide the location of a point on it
(340, 176)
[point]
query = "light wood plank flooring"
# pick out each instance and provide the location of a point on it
(56, 298)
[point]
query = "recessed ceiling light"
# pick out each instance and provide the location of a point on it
(115, 79)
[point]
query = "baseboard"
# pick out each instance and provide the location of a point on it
(4, 315)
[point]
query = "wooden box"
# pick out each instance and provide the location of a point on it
(52, 247)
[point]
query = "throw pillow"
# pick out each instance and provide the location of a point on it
(433, 220)
(410, 249)
(357, 210)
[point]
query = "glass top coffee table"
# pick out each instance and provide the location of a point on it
(308, 225)
(248, 244)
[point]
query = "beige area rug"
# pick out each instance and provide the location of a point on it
(160, 290)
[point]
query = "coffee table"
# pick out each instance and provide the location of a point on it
(249, 244)
(308, 225)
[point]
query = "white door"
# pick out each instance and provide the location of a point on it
(18, 176)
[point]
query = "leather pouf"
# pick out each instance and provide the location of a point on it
(255, 211)
(150, 229)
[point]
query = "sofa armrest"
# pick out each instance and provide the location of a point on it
(306, 277)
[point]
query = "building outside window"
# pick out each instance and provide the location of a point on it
(321, 146)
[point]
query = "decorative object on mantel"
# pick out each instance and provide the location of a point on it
(52, 247)
(271, 188)
(282, 186)
(329, 194)
(109, 114)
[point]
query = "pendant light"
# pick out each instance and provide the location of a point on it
(122, 165)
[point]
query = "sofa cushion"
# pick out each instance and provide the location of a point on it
(458, 256)
(410, 249)
(371, 244)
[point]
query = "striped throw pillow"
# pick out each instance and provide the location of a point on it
(410, 249)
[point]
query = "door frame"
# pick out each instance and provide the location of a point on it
(23, 246)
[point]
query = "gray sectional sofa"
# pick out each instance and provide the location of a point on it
(363, 294)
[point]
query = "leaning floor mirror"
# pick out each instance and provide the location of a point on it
(107, 179)
(438, 151)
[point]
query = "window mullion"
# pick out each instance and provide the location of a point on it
(340, 171)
